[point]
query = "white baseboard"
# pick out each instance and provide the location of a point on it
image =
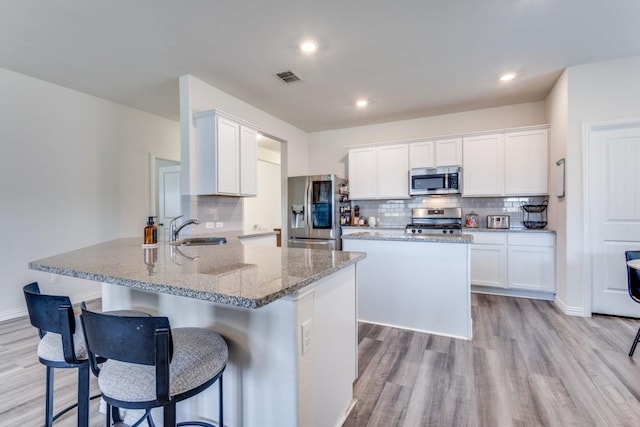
(19, 312)
(13, 314)
(517, 293)
(424, 331)
(569, 310)
(352, 405)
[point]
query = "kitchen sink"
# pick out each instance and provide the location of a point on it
(197, 241)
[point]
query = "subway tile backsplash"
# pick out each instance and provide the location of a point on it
(398, 212)
(216, 209)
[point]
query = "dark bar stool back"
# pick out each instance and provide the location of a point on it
(633, 282)
(61, 346)
(150, 365)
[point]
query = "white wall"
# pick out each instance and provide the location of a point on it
(74, 171)
(328, 149)
(557, 116)
(596, 92)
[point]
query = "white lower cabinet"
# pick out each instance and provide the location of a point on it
(489, 259)
(523, 261)
(532, 262)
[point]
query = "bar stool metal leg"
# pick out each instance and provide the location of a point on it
(635, 343)
(48, 412)
(83, 396)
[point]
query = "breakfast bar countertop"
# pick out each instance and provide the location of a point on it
(233, 274)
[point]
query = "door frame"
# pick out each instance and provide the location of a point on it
(587, 266)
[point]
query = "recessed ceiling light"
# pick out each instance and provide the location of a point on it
(507, 77)
(308, 46)
(361, 103)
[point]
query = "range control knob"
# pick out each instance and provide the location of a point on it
(419, 231)
(413, 231)
(444, 231)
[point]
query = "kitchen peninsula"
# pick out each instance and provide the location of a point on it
(261, 299)
(416, 282)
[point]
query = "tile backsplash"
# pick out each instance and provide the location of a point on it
(216, 209)
(398, 212)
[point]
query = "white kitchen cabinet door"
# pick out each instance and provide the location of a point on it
(362, 173)
(448, 152)
(526, 163)
(532, 268)
(393, 171)
(489, 265)
(248, 161)
(228, 156)
(422, 154)
(483, 165)
(489, 259)
(532, 261)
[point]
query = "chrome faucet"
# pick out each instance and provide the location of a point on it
(174, 231)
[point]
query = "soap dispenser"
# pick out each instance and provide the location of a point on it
(150, 232)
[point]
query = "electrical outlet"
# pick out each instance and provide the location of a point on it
(208, 225)
(306, 336)
(219, 224)
(55, 278)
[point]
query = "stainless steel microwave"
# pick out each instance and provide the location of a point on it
(442, 180)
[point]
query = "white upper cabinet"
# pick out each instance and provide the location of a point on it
(248, 161)
(379, 172)
(362, 173)
(226, 156)
(422, 154)
(393, 171)
(506, 164)
(483, 165)
(526, 163)
(449, 152)
(428, 154)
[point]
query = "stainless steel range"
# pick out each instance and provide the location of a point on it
(435, 221)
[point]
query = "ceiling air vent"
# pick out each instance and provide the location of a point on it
(288, 76)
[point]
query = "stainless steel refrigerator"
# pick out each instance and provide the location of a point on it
(314, 218)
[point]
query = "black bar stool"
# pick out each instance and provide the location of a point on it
(62, 345)
(150, 365)
(633, 283)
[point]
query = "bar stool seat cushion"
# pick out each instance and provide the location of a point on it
(198, 356)
(50, 346)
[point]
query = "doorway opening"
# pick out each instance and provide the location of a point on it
(264, 212)
(166, 203)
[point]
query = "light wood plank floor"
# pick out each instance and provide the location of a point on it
(528, 365)
(22, 379)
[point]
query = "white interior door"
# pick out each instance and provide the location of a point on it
(613, 195)
(168, 198)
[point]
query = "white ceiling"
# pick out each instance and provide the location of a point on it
(412, 58)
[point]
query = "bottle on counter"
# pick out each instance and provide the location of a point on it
(150, 232)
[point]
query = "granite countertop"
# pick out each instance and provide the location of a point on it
(233, 274)
(381, 235)
(377, 226)
(510, 230)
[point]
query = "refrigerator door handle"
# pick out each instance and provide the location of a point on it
(310, 212)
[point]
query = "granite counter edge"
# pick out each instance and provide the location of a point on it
(242, 302)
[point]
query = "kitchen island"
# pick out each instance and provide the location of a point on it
(416, 282)
(260, 299)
